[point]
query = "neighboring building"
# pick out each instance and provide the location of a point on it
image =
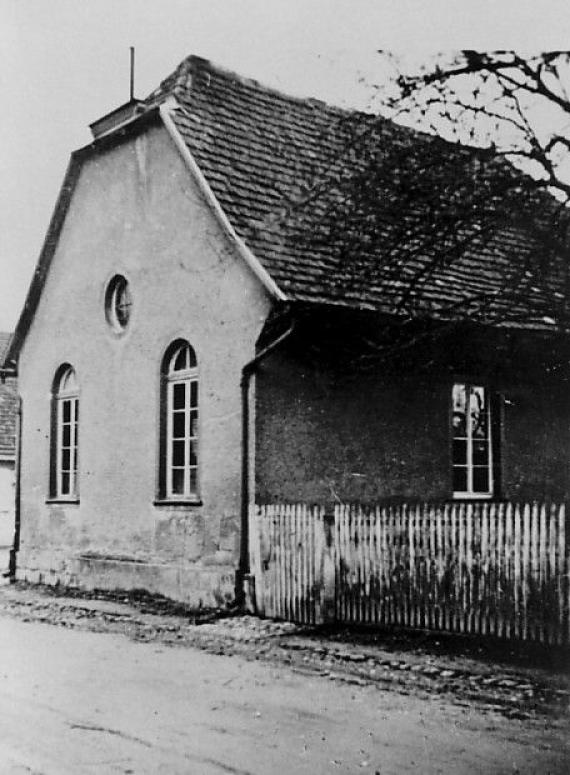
(147, 430)
(8, 408)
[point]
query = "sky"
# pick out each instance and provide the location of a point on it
(64, 63)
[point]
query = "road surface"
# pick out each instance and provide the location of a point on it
(82, 702)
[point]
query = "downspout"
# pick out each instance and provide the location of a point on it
(246, 374)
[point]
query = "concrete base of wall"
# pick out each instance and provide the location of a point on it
(196, 586)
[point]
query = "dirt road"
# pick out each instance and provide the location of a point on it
(78, 702)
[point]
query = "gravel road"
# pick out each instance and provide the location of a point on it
(120, 688)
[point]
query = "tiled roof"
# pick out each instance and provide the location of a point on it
(8, 405)
(265, 155)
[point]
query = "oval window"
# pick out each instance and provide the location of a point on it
(118, 303)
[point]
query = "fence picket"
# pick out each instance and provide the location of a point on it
(487, 568)
(562, 584)
(480, 591)
(543, 573)
(445, 570)
(519, 599)
(499, 566)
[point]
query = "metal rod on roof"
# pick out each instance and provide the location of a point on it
(132, 90)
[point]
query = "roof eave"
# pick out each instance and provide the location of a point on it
(44, 261)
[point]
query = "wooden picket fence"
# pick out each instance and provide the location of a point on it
(500, 569)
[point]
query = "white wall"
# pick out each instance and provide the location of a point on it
(137, 211)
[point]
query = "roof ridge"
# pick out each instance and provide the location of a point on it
(194, 64)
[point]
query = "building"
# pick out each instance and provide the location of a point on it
(184, 350)
(8, 410)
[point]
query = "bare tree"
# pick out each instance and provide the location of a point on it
(517, 106)
(454, 198)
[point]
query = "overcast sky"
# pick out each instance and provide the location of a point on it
(64, 63)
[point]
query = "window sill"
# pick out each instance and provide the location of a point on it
(466, 496)
(73, 501)
(178, 502)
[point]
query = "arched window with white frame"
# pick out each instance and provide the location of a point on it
(179, 433)
(65, 435)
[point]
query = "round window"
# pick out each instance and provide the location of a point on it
(118, 303)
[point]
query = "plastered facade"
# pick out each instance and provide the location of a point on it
(136, 211)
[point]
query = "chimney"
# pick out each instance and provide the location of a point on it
(117, 118)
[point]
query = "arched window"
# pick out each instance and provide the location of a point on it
(179, 437)
(65, 420)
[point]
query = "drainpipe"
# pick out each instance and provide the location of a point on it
(16, 541)
(246, 374)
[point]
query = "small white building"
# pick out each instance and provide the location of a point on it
(7, 458)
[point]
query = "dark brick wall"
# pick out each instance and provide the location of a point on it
(322, 433)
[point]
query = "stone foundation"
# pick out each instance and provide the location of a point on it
(197, 586)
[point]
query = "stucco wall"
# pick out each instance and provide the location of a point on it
(136, 211)
(324, 434)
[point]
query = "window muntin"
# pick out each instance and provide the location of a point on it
(181, 443)
(118, 303)
(472, 448)
(66, 399)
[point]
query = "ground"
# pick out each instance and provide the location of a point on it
(137, 685)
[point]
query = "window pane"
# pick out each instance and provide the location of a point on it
(178, 481)
(178, 395)
(459, 479)
(68, 382)
(65, 484)
(178, 453)
(459, 404)
(194, 394)
(181, 360)
(459, 452)
(66, 411)
(193, 480)
(123, 303)
(478, 412)
(178, 425)
(193, 453)
(193, 423)
(480, 480)
(65, 460)
(66, 435)
(480, 453)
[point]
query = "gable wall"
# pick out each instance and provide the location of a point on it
(136, 211)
